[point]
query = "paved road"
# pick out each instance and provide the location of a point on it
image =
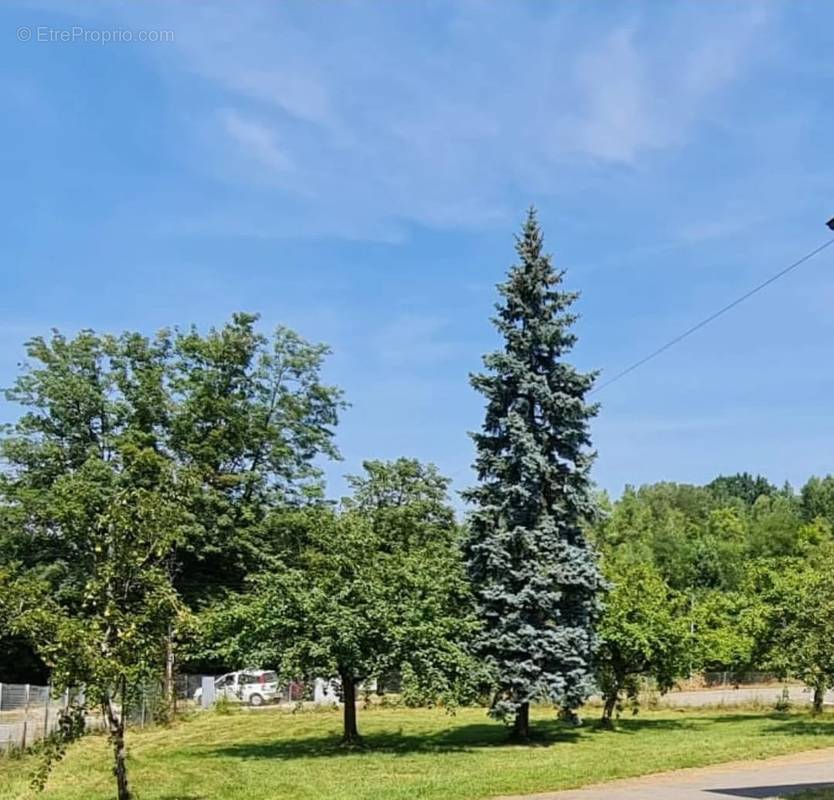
(767, 695)
(770, 778)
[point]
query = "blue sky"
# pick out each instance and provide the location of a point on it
(357, 170)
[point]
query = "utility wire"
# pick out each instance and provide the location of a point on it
(710, 318)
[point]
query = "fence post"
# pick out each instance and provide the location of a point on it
(25, 717)
(46, 710)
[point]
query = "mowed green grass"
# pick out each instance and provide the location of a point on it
(410, 754)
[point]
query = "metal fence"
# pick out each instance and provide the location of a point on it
(725, 679)
(29, 713)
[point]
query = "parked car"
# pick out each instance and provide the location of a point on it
(252, 686)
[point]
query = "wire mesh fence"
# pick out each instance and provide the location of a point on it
(29, 713)
(749, 678)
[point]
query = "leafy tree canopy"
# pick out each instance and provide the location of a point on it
(375, 588)
(644, 632)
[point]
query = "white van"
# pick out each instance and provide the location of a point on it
(252, 686)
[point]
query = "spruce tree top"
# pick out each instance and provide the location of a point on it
(535, 435)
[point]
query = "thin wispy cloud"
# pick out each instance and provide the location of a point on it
(361, 108)
(256, 140)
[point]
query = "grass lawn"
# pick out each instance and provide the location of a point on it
(410, 754)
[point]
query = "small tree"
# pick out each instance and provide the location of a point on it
(112, 643)
(375, 588)
(532, 569)
(792, 602)
(407, 504)
(99, 506)
(643, 633)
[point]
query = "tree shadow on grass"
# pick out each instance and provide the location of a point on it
(802, 726)
(184, 797)
(740, 716)
(637, 724)
(782, 724)
(457, 739)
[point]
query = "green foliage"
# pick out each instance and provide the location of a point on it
(725, 638)
(719, 545)
(701, 538)
(250, 415)
(531, 566)
(741, 486)
(376, 588)
(88, 480)
(817, 499)
(795, 603)
(141, 471)
(644, 632)
(71, 725)
(238, 416)
(774, 527)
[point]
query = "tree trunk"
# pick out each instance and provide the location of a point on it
(169, 671)
(569, 716)
(819, 695)
(521, 724)
(615, 687)
(609, 708)
(116, 732)
(351, 736)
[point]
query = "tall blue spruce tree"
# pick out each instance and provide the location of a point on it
(532, 569)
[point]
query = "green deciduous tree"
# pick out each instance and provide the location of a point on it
(146, 469)
(644, 632)
(792, 603)
(333, 612)
(87, 478)
(358, 593)
(407, 504)
(112, 644)
(741, 486)
(817, 499)
(250, 416)
(533, 571)
(774, 526)
(700, 538)
(723, 636)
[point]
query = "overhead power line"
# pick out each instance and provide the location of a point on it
(689, 331)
